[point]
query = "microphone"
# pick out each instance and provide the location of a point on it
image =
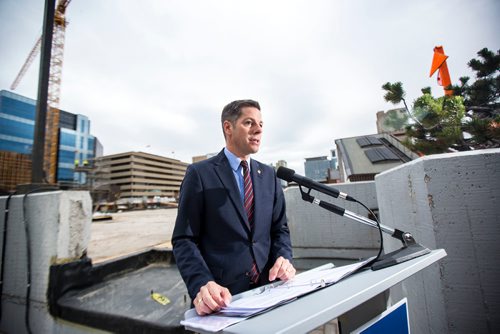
(289, 175)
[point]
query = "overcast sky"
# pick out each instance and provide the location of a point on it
(154, 75)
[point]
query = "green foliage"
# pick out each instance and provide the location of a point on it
(483, 130)
(439, 123)
(488, 65)
(426, 90)
(394, 92)
(478, 128)
(485, 91)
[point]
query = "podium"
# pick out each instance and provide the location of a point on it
(315, 309)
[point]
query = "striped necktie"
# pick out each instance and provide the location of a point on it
(249, 209)
(248, 191)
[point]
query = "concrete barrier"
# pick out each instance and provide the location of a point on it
(449, 201)
(319, 236)
(58, 225)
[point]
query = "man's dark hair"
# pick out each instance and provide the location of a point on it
(232, 111)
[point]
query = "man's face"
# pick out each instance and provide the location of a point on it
(243, 138)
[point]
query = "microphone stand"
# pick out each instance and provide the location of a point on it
(410, 250)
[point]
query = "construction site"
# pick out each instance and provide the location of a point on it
(129, 232)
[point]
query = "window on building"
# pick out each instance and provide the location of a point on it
(67, 139)
(13, 128)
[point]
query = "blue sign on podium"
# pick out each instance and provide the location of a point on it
(394, 320)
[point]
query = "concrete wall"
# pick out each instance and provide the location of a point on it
(319, 236)
(449, 201)
(59, 231)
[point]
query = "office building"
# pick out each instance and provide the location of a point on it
(142, 175)
(334, 163)
(204, 157)
(281, 163)
(318, 168)
(76, 145)
(392, 121)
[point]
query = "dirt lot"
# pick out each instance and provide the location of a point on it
(130, 232)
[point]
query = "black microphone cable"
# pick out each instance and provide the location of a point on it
(381, 248)
(289, 175)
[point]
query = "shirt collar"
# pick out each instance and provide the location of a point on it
(234, 161)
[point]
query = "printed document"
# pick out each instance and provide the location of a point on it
(262, 299)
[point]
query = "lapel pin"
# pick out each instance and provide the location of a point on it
(259, 171)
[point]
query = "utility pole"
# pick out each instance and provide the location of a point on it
(37, 154)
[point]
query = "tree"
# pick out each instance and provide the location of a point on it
(438, 124)
(436, 121)
(483, 95)
(482, 99)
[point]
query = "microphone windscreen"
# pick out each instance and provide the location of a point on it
(285, 173)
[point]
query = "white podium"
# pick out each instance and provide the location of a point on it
(313, 310)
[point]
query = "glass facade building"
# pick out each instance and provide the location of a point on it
(76, 144)
(317, 168)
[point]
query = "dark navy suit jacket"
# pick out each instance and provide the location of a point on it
(212, 240)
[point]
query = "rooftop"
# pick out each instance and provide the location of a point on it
(131, 232)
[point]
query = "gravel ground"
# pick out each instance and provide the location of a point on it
(131, 232)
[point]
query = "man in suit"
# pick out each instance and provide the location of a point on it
(231, 232)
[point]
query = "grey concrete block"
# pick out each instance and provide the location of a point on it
(58, 228)
(316, 232)
(449, 201)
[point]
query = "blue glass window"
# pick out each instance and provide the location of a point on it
(64, 174)
(66, 156)
(68, 139)
(16, 129)
(11, 146)
(18, 108)
(90, 144)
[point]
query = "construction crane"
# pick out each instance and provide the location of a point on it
(54, 90)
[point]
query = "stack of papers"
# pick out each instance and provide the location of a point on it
(262, 299)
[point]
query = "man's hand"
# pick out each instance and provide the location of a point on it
(282, 269)
(211, 298)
